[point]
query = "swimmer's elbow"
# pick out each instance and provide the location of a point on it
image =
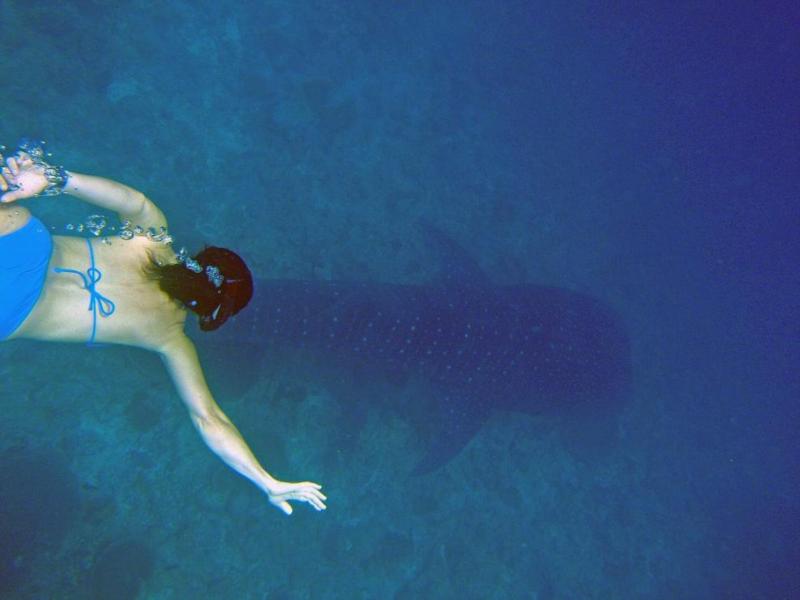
(144, 213)
(213, 427)
(202, 422)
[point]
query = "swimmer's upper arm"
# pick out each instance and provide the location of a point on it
(129, 203)
(180, 358)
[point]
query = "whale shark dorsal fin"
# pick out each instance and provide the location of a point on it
(458, 268)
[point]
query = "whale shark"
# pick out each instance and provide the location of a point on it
(479, 347)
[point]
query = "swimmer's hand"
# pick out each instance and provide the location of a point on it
(20, 178)
(281, 492)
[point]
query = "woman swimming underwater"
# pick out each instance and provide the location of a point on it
(139, 293)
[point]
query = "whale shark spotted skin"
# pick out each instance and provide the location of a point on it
(481, 347)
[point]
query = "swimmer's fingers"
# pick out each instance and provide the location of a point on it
(7, 175)
(310, 495)
(22, 178)
(12, 196)
(4, 187)
(7, 183)
(24, 160)
(10, 190)
(306, 491)
(314, 496)
(12, 165)
(20, 162)
(285, 507)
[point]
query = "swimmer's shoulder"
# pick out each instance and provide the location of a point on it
(113, 252)
(13, 217)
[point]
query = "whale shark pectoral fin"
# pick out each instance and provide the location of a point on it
(459, 424)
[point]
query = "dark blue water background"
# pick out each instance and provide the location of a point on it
(645, 154)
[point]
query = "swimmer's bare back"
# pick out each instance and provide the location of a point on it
(143, 315)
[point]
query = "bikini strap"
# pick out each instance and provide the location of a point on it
(97, 302)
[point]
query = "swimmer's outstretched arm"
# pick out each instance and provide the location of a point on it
(130, 204)
(221, 435)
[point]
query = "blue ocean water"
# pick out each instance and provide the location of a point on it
(644, 154)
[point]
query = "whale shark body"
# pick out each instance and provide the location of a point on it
(480, 347)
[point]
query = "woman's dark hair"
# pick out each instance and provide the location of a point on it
(198, 292)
